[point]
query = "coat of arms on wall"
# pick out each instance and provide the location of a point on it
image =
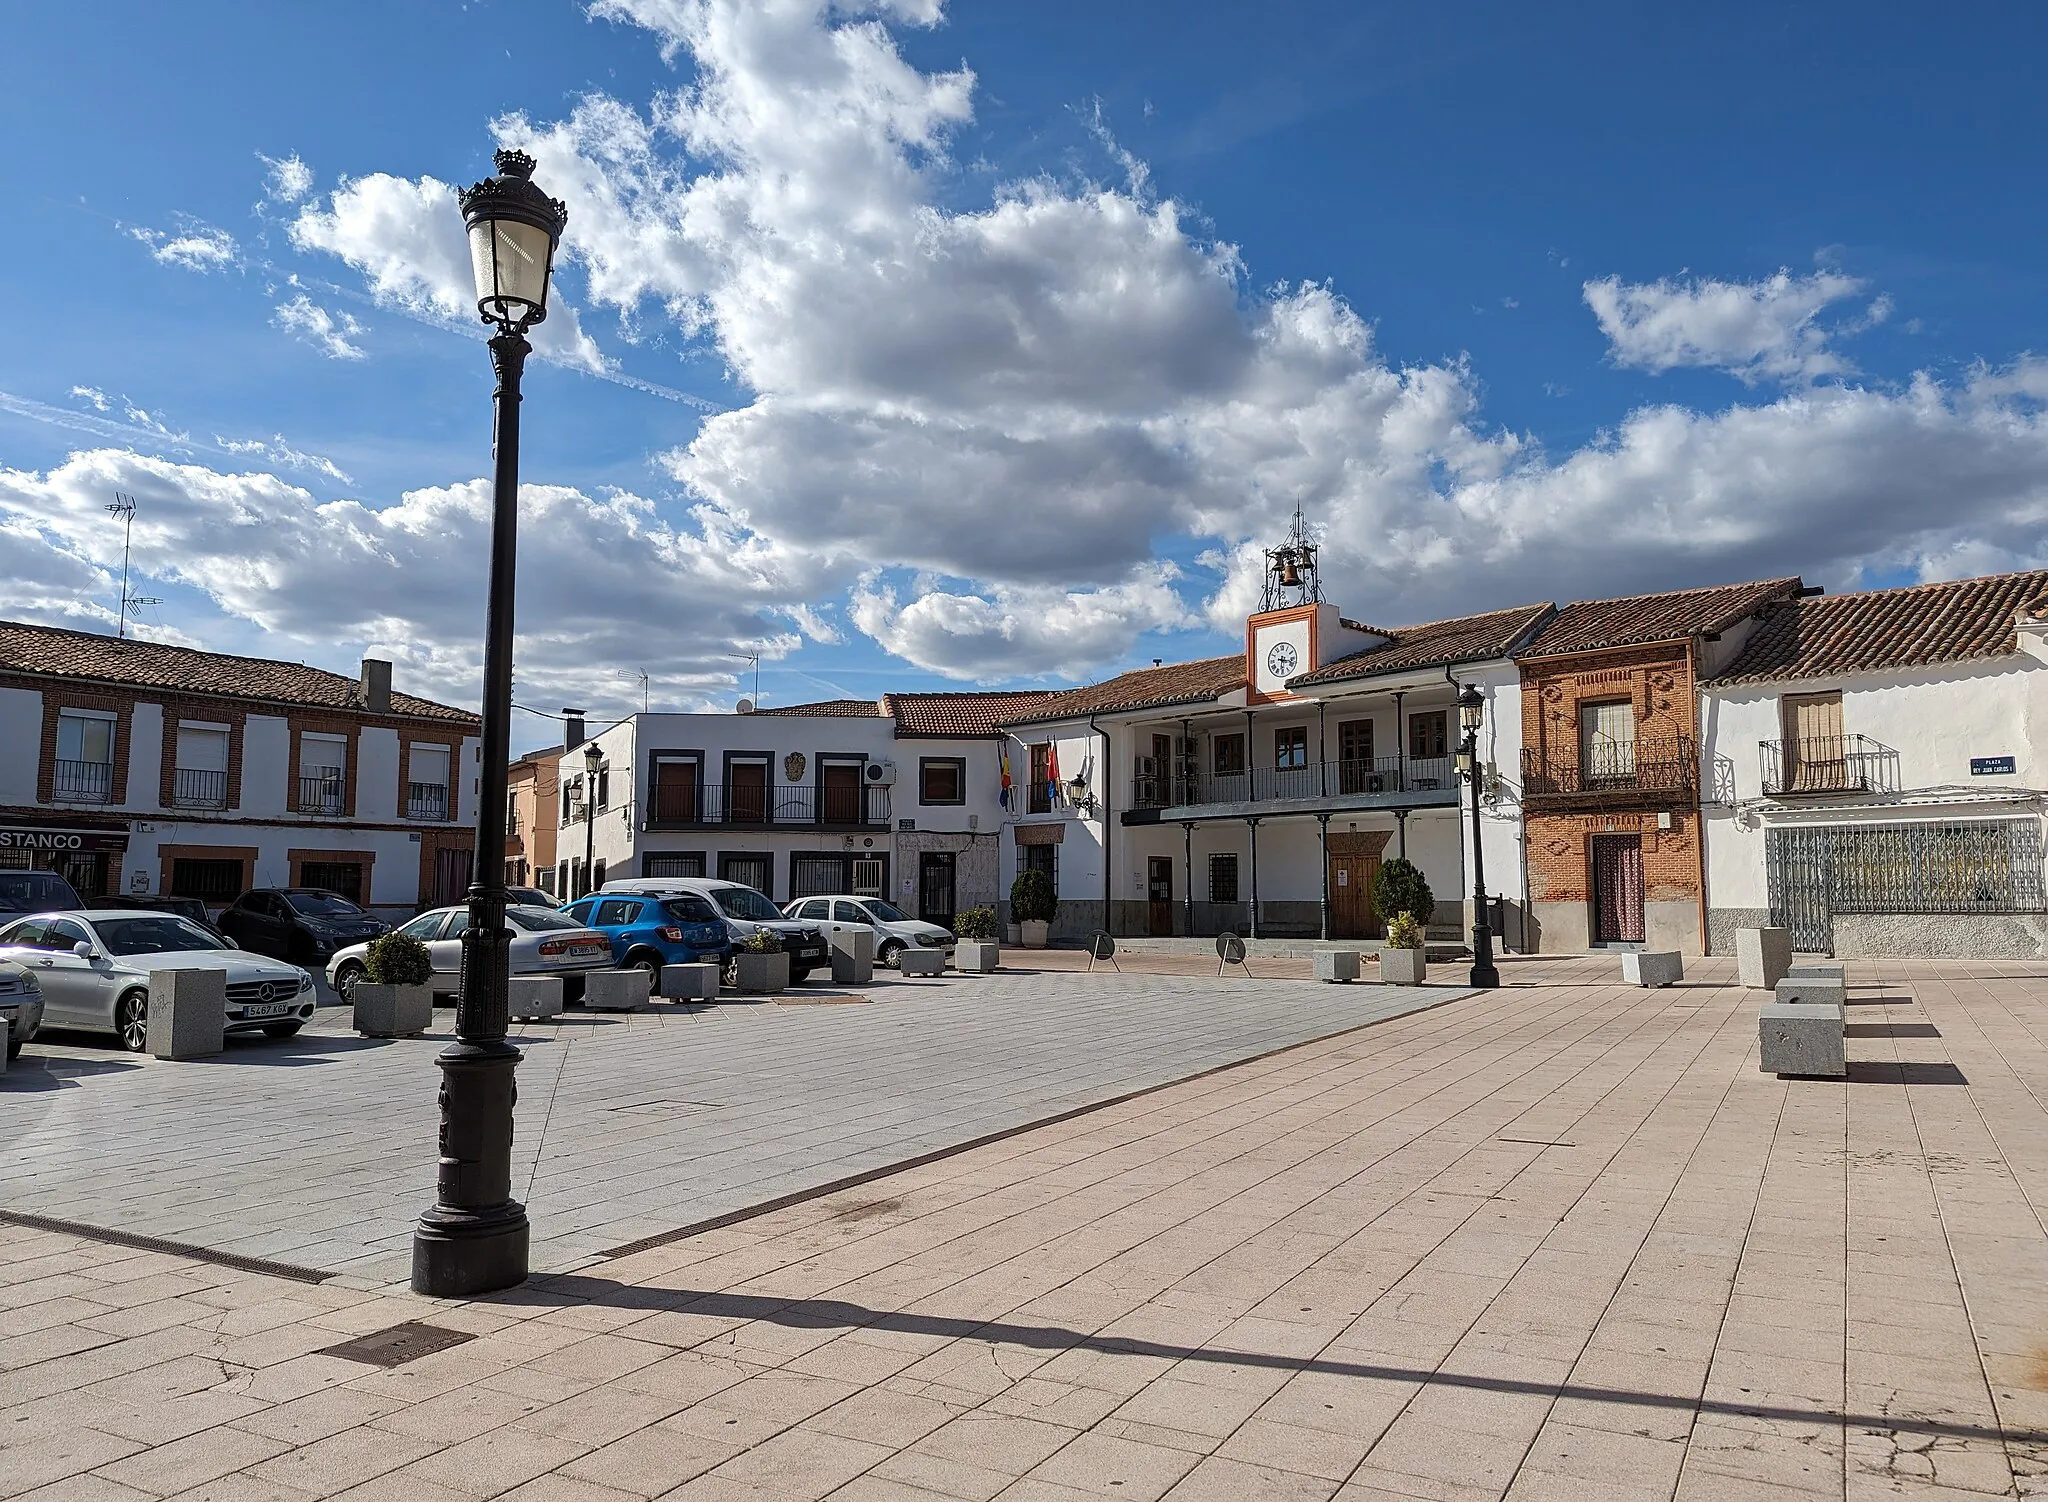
(793, 766)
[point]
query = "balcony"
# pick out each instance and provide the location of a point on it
(1384, 782)
(1612, 773)
(82, 781)
(321, 793)
(426, 800)
(1828, 765)
(697, 806)
(193, 788)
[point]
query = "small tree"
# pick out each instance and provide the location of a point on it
(976, 923)
(1401, 889)
(762, 941)
(1403, 932)
(398, 960)
(1032, 899)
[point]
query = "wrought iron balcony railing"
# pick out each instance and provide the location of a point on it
(1659, 769)
(321, 793)
(83, 781)
(1800, 767)
(426, 800)
(192, 788)
(676, 805)
(1385, 776)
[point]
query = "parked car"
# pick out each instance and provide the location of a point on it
(302, 924)
(21, 1005)
(544, 942)
(93, 970)
(649, 932)
(743, 910)
(528, 897)
(37, 892)
(895, 930)
(189, 908)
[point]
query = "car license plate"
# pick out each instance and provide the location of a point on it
(265, 1009)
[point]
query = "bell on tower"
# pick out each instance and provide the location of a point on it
(1291, 577)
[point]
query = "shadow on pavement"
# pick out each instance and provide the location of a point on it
(1896, 1072)
(32, 1071)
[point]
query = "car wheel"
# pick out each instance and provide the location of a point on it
(281, 1030)
(651, 963)
(798, 977)
(886, 956)
(131, 1020)
(345, 982)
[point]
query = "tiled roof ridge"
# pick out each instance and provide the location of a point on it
(1091, 698)
(1407, 645)
(1696, 589)
(841, 707)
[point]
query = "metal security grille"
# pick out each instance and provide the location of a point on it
(1989, 866)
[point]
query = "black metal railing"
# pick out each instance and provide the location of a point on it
(83, 781)
(1828, 764)
(1368, 777)
(674, 805)
(192, 788)
(426, 800)
(321, 793)
(1660, 769)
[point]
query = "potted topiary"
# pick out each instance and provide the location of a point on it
(1403, 961)
(395, 998)
(1033, 905)
(1401, 888)
(977, 952)
(762, 966)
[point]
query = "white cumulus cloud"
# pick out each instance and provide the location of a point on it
(333, 334)
(289, 180)
(1752, 330)
(193, 246)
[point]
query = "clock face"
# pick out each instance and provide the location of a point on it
(1281, 661)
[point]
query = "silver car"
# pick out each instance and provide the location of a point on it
(21, 1005)
(93, 970)
(543, 943)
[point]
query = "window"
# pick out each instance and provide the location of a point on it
(426, 792)
(581, 911)
(216, 882)
(849, 912)
(1429, 734)
(810, 874)
(942, 779)
(85, 757)
(1223, 877)
(1607, 738)
(199, 776)
(530, 920)
(756, 871)
(344, 878)
(1354, 758)
(1040, 801)
(616, 912)
(1044, 858)
(323, 764)
(544, 878)
(813, 911)
(597, 873)
(1290, 747)
(691, 909)
(675, 791)
(562, 879)
(572, 798)
(1816, 754)
(604, 785)
(162, 935)
(1227, 752)
(675, 863)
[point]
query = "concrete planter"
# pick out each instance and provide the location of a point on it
(1403, 967)
(1763, 956)
(393, 1011)
(617, 990)
(534, 998)
(762, 974)
(696, 981)
(1034, 933)
(1336, 964)
(853, 956)
(1652, 967)
(921, 961)
(188, 1013)
(978, 956)
(1013, 934)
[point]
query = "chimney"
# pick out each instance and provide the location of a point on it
(572, 731)
(376, 686)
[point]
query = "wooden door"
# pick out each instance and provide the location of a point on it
(1815, 757)
(1351, 879)
(675, 792)
(1162, 771)
(747, 792)
(1617, 862)
(1354, 756)
(1159, 896)
(841, 782)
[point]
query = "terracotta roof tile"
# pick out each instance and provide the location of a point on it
(960, 714)
(1589, 625)
(1433, 644)
(851, 709)
(1146, 688)
(26, 648)
(1954, 621)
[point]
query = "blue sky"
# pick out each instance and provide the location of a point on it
(984, 345)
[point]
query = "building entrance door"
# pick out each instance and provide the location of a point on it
(1351, 879)
(935, 887)
(1159, 896)
(1617, 862)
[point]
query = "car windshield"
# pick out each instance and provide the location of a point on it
(35, 892)
(534, 919)
(745, 902)
(885, 912)
(163, 934)
(690, 910)
(322, 905)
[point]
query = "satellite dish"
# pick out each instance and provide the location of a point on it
(745, 706)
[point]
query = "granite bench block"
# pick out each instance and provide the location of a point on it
(978, 956)
(852, 967)
(188, 1013)
(921, 961)
(1763, 956)
(1802, 1041)
(616, 990)
(1824, 968)
(535, 998)
(696, 981)
(1812, 990)
(1336, 965)
(1652, 967)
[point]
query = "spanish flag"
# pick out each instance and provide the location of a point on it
(1004, 753)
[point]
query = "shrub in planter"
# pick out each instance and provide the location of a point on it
(1403, 932)
(393, 1000)
(398, 960)
(976, 923)
(1403, 961)
(761, 941)
(977, 952)
(1401, 888)
(1033, 907)
(759, 964)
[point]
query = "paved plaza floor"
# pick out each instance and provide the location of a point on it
(1560, 1239)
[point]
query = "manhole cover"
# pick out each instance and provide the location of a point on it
(397, 1345)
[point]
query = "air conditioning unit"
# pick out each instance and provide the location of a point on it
(881, 774)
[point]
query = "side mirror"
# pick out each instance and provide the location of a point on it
(82, 949)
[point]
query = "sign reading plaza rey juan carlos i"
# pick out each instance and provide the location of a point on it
(1990, 766)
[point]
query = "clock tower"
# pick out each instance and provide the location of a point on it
(1295, 630)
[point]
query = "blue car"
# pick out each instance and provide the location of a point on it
(649, 932)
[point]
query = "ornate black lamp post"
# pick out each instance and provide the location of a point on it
(474, 1238)
(593, 760)
(1471, 715)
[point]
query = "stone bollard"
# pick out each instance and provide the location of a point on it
(1811, 991)
(978, 956)
(392, 1011)
(1652, 967)
(921, 961)
(616, 990)
(1802, 1042)
(1336, 964)
(696, 981)
(535, 998)
(853, 956)
(1763, 956)
(188, 1013)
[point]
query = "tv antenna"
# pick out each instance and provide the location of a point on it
(645, 685)
(755, 659)
(123, 506)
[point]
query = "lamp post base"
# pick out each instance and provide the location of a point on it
(1485, 974)
(474, 1238)
(474, 1256)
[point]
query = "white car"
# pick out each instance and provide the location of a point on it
(543, 943)
(93, 971)
(21, 1006)
(895, 930)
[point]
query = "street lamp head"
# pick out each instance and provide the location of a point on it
(513, 230)
(592, 757)
(1471, 708)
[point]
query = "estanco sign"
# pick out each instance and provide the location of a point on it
(61, 839)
